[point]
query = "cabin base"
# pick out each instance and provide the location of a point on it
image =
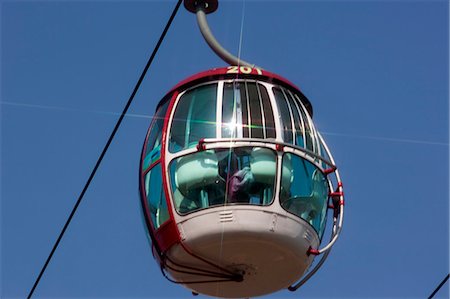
(267, 250)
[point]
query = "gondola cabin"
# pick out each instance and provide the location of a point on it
(235, 183)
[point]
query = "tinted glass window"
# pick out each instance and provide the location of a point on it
(234, 107)
(223, 176)
(194, 118)
(298, 120)
(153, 149)
(156, 197)
(247, 111)
(256, 117)
(323, 153)
(285, 115)
(309, 137)
(268, 112)
(304, 191)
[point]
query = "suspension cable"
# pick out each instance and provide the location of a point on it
(108, 143)
(439, 286)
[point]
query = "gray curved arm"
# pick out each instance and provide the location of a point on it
(214, 44)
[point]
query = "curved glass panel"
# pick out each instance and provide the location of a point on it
(299, 124)
(217, 177)
(156, 197)
(304, 191)
(153, 148)
(247, 111)
(234, 122)
(295, 121)
(269, 121)
(310, 138)
(285, 115)
(194, 118)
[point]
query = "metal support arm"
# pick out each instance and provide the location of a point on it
(201, 8)
(214, 44)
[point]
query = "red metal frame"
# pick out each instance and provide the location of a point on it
(312, 251)
(336, 194)
(329, 170)
(143, 197)
(167, 234)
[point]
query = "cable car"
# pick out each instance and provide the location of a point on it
(236, 184)
(235, 180)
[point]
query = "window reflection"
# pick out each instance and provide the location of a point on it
(295, 121)
(195, 117)
(217, 177)
(155, 196)
(247, 111)
(304, 191)
(153, 149)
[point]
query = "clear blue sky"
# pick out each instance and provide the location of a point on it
(376, 72)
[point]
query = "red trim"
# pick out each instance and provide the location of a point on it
(340, 184)
(334, 194)
(312, 251)
(340, 203)
(201, 145)
(329, 170)
(167, 235)
(279, 148)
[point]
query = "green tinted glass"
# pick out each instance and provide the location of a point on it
(304, 191)
(156, 196)
(194, 118)
(218, 177)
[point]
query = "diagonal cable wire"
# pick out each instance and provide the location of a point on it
(108, 143)
(439, 286)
